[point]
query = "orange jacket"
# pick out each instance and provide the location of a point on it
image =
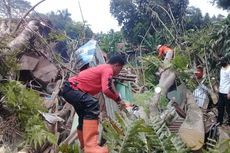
(163, 50)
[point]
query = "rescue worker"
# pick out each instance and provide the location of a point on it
(79, 91)
(166, 52)
(224, 91)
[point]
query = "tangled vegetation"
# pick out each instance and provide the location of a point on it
(25, 104)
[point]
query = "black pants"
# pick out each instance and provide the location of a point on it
(85, 105)
(223, 103)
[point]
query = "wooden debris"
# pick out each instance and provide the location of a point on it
(124, 78)
(45, 71)
(28, 62)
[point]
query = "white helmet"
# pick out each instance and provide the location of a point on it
(158, 46)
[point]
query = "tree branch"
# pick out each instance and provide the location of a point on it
(24, 16)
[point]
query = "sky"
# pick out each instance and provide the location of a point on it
(97, 14)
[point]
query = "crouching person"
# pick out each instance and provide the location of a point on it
(79, 91)
(166, 52)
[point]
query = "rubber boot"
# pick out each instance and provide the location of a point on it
(80, 137)
(90, 137)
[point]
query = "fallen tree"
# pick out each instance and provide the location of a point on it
(192, 129)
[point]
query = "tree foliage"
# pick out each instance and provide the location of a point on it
(67, 29)
(26, 104)
(194, 19)
(126, 135)
(61, 20)
(145, 16)
(13, 8)
(108, 42)
(225, 4)
(221, 37)
(127, 14)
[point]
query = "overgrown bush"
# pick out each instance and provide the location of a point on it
(25, 104)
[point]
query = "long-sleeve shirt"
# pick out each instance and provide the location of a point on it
(94, 80)
(224, 80)
(163, 50)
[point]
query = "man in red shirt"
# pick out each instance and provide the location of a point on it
(79, 91)
(166, 52)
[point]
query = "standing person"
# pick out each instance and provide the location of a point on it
(224, 91)
(166, 52)
(79, 91)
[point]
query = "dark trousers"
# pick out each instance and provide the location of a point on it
(85, 105)
(223, 103)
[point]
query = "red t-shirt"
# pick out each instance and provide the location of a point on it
(94, 80)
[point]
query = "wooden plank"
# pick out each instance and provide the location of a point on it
(28, 62)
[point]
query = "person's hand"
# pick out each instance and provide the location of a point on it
(122, 104)
(228, 96)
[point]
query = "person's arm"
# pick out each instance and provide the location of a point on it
(161, 52)
(107, 86)
(228, 95)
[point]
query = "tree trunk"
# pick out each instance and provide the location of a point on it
(25, 38)
(192, 129)
(3, 28)
(166, 81)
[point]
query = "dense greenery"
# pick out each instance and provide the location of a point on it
(108, 42)
(145, 16)
(148, 23)
(65, 33)
(25, 104)
(196, 40)
(61, 20)
(194, 37)
(127, 135)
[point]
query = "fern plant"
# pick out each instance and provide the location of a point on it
(137, 136)
(36, 133)
(25, 103)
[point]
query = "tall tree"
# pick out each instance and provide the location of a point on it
(193, 18)
(225, 4)
(61, 20)
(108, 42)
(207, 19)
(13, 8)
(127, 14)
(140, 16)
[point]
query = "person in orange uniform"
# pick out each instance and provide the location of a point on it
(79, 91)
(166, 52)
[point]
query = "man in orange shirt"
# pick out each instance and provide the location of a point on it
(166, 52)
